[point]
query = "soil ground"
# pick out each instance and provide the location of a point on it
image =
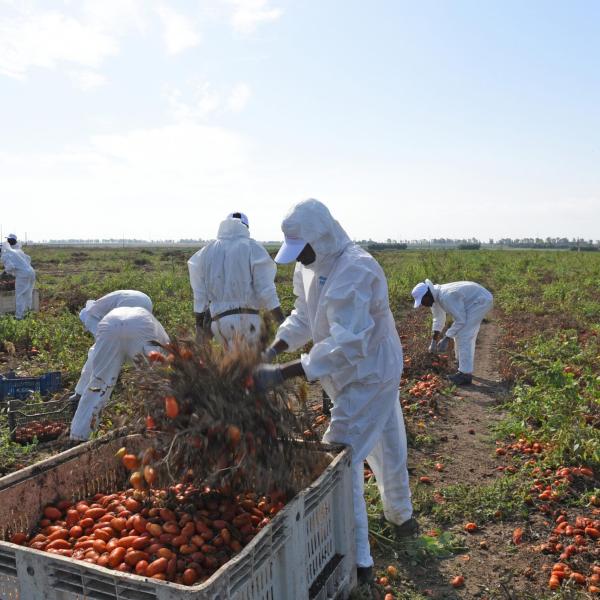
(464, 443)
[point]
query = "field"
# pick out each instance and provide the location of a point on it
(515, 454)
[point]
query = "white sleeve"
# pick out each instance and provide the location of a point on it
(456, 307)
(101, 307)
(197, 281)
(350, 326)
(263, 277)
(439, 317)
(295, 330)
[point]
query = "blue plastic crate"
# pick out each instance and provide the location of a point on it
(21, 387)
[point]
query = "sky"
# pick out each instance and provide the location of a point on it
(440, 118)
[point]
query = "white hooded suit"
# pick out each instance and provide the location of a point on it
(342, 306)
(94, 312)
(468, 303)
(18, 264)
(122, 334)
(233, 272)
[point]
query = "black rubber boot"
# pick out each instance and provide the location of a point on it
(460, 378)
(364, 575)
(406, 529)
(326, 404)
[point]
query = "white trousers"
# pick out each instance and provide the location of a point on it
(86, 373)
(386, 453)
(464, 341)
(114, 346)
(24, 283)
(237, 327)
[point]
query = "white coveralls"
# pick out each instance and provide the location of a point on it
(122, 334)
(18, 264)
(342, 305)
(233, 272)
(95, 311)
(468, 303)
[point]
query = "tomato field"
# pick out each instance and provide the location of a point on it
(504, 473)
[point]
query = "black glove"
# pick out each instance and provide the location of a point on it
(442, 345)
(267, 377)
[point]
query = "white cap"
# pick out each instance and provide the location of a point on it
(418, 292)
(290, 250)
(243, 218)
(11, 236)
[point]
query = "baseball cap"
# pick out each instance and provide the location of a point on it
(418, 292)
(290, 250)
(11, 236)
(241, 216)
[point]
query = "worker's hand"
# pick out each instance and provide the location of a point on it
(433, 347)
(442, 346)
(203, 327)
(269, 355)
(267, 377)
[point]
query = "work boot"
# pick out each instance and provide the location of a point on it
(406, 529)
(364, 575)
(460, 378)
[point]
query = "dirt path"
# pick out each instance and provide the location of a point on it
(465, 421)
(463, 441)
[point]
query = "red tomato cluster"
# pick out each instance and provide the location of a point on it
(180, 534)
(42, 430)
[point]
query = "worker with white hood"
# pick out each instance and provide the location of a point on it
(91, 315)
(123, 334)
(18, 264)
(233, 279)
(342, 306)
(468, 303)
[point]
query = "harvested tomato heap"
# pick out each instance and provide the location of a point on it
(43, 431)
(562, 572)
(426, 387)
(180, 534)
(522, 447)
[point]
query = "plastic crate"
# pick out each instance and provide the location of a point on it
(21, 387)
(23, 414)
(8, 303)
(306, 553)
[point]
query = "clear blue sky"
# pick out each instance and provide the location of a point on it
(409, 119)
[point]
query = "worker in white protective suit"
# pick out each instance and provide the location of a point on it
(468, 303)
(233, 278)
(91, 315)
(18, 264)
(342, 306)
(123, 334)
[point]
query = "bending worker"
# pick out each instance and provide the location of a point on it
(93, 313)
(233, 278)
(468, 303)
(18, 264)
(342, 306)
(123, 334)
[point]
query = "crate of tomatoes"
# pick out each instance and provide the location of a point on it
(44, 421)
(13, 386)
(75, 528)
